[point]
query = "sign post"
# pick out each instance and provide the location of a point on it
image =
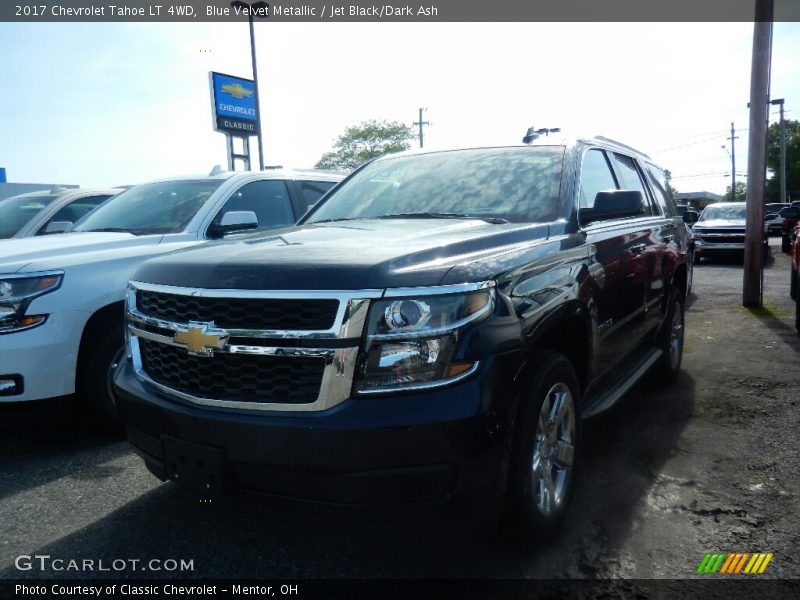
(234, 113)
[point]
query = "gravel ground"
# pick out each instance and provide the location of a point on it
(708, 464)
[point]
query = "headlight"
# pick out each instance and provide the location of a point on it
(411, 341)
(16, 293)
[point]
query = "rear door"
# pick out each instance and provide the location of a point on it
(653, 234)
(616, 245)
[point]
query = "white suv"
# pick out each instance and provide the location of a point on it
(61, 296)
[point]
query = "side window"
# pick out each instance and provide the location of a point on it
(631, 180)
(75, 210)
(314, 190)
(269, 199)
(658, 183)
(596, 176)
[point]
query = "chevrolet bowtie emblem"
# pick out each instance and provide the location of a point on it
(237, 90)
(201, 339)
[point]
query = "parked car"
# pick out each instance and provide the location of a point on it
(435, 328)
(52, 211)
(772, 218)
(721, 229)
(790, 216)
(61, 296)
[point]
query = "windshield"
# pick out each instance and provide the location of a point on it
(15, 212)
(508, 184)
(164, 207)
(732, 213)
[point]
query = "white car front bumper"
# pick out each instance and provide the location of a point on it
(44, 358)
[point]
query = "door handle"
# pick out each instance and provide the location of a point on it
(638, 248)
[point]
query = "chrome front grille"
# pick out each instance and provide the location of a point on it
(282, 351)
(241, 313)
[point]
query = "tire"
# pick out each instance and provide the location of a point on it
(696, 258)
(793, 284)
(94, 375)
(670, 340)
(786, 243)
(546, 446)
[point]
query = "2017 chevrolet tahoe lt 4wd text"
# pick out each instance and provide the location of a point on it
(436, 328)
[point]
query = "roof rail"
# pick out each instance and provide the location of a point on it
(621, 145)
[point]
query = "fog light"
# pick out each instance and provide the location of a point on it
(10, 385)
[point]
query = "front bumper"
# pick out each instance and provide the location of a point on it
(704, 247)
(401, 449)
(44, 357)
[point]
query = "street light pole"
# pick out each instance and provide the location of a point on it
(255, 9)
(779, 101)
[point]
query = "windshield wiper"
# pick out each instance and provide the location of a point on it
(334, 220)
(114, 230)
(441, 215)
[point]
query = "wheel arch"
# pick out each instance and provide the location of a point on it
(97, 326)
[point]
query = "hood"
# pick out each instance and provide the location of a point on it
(344, 255)
(64, 250)
(720, 223)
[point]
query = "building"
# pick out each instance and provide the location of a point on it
(14, 189)
(697, 200)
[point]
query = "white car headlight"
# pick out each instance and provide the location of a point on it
(411, 341)
(16, 293)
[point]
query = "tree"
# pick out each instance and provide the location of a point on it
(365, 141)
(668, 176)
(741, 193)
(773, 190)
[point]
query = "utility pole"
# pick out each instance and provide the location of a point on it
(421, 123)
(733, 162)
(757, 155)
(779, 102)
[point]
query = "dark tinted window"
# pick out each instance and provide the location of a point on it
(630, 179)
(268, 199)
(314, 190)
(16, 212)
(596, 177)
(163, 207)
(515, 184)
(75, 210)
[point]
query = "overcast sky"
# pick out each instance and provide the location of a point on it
(118, 103)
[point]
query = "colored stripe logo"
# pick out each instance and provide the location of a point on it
(734, 563)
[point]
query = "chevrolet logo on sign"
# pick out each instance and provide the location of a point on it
(201, 339)
(236, 90)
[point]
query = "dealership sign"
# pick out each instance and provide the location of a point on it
(234, 104)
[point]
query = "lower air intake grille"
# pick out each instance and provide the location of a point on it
(234, 377)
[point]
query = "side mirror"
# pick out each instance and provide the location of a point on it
(691, 217)
(57, 227)
(616, 204)
(233, 221)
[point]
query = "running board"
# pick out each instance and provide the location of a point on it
(610, 391)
